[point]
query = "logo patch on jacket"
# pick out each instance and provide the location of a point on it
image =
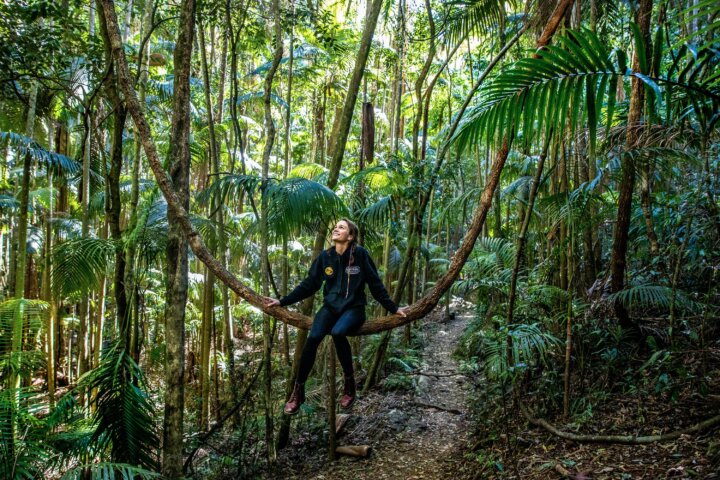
(354, 270)
(329, 271)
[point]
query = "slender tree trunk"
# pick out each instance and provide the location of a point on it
(522, 236)
(177, 259)
(83, 309)
(627, 182)
(399, 85)
(338, 151)
(113, 180)
(269, 141)
(22, 225)
(286, 172)
(130, 251)
(420, 80)
(207, 321)
(47, 287)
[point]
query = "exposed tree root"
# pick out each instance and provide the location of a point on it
(623, 439)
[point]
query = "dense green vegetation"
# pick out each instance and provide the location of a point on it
(555, 163)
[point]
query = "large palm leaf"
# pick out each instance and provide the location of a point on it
(124, 414)
(468, 18)
(295, 204)
(566, 85)
(78, 264)
(20, 321)
(25, 145)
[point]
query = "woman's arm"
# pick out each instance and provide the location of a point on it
(376, 285)
(307, 287)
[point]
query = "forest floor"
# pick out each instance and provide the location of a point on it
(420, 434)
(426, 432)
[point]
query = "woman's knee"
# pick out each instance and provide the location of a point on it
(314, 339)
(339, 332)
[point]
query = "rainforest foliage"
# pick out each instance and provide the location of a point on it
(554, 163)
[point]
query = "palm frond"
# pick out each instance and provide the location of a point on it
(537, 96)
(229, 186)
(470, 18)
(530, 344)
(645, 296)
(78, 264)
(297, 204)
(108, 471)
(25, 145)
(124, 413)
(311, 171)
(250, 96)
(378, 178)
(23, 452)
(503, 249)
(379, 213)
(20, 321)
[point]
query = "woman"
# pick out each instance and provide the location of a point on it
(345, 268)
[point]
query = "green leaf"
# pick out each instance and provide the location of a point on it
(639, 48)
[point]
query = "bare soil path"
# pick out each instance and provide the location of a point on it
(419, 434)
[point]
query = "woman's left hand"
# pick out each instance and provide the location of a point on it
(271, 302)
(402, 311)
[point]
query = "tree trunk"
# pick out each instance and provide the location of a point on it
(420, 80)
(130, 250)
(207, 322)
(522, 236)
(338, 151)
(264, 211)
(22, 225)
(177, 258)
(627, 182)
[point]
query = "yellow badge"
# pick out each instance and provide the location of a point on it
(329, 271)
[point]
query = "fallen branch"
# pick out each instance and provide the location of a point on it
(354, 450)
(454, 411)
(623, 439)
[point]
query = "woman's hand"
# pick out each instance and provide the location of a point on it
(271, 302)
(402, 311)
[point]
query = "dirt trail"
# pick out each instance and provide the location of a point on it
(420, 434)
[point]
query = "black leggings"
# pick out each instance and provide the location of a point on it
(339, 327)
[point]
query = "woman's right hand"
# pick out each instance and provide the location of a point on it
(271, 302)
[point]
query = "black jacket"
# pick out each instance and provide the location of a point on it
(339, 292)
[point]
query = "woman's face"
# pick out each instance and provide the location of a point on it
(341, 232)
